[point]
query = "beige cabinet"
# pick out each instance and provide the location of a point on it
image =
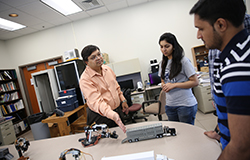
(137, 98)
(203, 96)
(7, 133)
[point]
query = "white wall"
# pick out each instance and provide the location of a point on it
(248, 6)
(123, 34)
(4, 57)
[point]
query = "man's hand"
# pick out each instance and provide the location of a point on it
(125, 107)
(213, 135)
(118, 121)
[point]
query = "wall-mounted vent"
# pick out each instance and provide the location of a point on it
(89, 4)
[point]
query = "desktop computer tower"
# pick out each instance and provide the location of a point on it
(68, 76)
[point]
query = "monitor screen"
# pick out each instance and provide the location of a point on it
(126, 84)
(154, 79)
(67, 75)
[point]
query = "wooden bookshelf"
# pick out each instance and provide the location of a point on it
(11, 101)
(200, 53)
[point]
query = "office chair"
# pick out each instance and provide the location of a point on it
(133, 108)
(155, 107)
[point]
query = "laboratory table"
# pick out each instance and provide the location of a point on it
(189, 144)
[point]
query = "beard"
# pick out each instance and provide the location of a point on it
(217, 41)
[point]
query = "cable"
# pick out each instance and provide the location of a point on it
(76, 153)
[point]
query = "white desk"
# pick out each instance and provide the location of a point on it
(153, 89)
(189, 144)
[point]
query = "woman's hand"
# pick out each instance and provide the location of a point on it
(168, 86)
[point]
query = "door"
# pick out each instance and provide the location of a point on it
(28, 83)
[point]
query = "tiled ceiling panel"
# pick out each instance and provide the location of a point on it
(37, 16)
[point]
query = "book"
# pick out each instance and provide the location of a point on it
(13, 73)
(19, 104)
(9, 109)
(1, 75)
(1, 111)
(21, 124)
(12, 107)
(7, 74)
(17, 128)
(18, 116)
(4, 110)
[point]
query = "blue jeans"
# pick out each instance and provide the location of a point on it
(181, 113)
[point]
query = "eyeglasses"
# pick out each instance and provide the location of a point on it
(95, 57)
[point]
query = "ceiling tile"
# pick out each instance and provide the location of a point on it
(133, 2)
(35, 8)
(26, 30)
(42, 26)
(97, 11)
(117, 5)
(78, 16)
(3, 7)
(59, 21)
(110, 1)
(3, 31)
(51, 15)
(23, 18)
(9, 35)
(16, 3)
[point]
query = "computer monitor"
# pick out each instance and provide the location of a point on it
(154, 79)
(68, 75)
(126, 84)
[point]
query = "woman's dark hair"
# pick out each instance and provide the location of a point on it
(87, 51)
(177, 55)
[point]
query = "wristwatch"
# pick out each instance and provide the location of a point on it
(217, 131)
(124, 101)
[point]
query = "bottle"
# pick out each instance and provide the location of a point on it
(147, 84)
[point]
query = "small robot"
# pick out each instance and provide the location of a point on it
(102, 132)
(22, 145)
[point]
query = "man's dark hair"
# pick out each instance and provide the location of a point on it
(211, 10)
(87, 51)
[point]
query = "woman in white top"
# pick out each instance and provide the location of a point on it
(177, 78)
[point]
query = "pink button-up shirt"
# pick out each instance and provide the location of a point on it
(102, 92)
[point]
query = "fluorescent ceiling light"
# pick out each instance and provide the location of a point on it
(9, 25)
(65, 7)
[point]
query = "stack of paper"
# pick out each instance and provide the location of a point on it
(204, 79)
(136, 156)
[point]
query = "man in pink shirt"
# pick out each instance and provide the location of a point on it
(98, 84)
